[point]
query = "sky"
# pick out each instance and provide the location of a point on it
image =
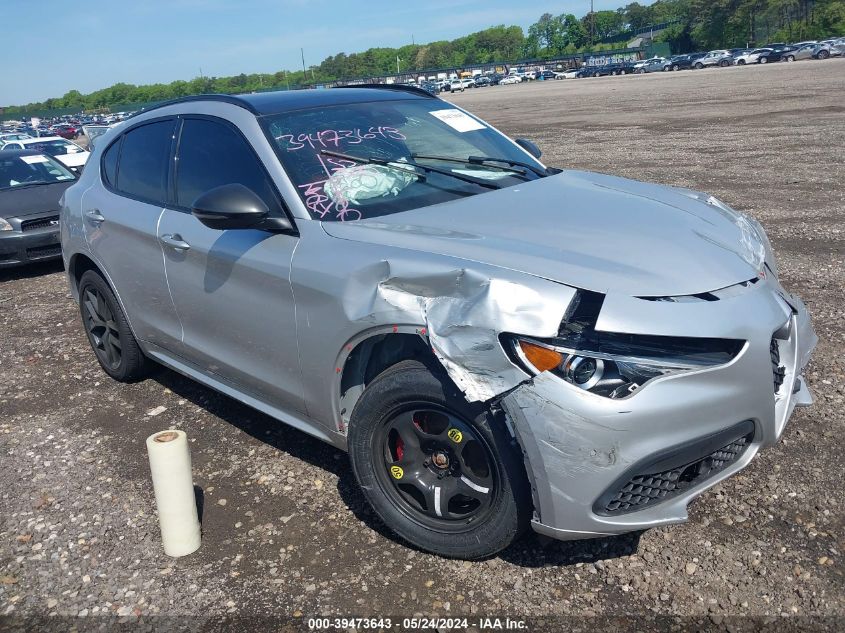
(93, 44)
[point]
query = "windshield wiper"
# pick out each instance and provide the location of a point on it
(513, 163)
(513, 171)
(373, 160)
(480, 160)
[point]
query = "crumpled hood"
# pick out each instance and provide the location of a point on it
(587, 230)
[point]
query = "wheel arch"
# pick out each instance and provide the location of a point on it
(78, 265)
(369, 354)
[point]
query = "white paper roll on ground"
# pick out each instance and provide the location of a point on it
(170, 464)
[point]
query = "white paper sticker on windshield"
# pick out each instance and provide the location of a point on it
(458, 120)
(31, 160)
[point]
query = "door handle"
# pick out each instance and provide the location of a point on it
(94, 216)
(174, 241)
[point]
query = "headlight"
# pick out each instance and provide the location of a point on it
(5, 226)
(616, 365)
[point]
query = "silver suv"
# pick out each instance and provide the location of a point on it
(496, 343)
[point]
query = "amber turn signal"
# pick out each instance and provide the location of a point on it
(542, 358)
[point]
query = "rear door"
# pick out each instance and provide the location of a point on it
(231, 288)
(121, 220)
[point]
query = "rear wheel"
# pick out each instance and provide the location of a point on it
(790, 58)
(741, 62)
(824, 54)
(108, 330)
(699, 66)
(764, 60)
(676, 67)
(439, 471)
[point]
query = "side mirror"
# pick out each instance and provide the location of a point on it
(234, 206)
(530, 147)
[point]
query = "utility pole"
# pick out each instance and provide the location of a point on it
(592, 24)
(302, 50)
(397, 64)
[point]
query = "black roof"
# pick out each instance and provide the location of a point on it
(263, 103)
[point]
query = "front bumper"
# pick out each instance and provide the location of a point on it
(601, 467)
(33, 239)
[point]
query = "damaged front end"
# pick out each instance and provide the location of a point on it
(623, 426)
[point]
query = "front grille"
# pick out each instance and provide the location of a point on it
(650, 487)
(778, 370)
(44, 251)
(39, 223)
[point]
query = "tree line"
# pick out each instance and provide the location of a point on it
(694, 25)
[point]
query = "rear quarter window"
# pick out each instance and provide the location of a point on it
(143, 168)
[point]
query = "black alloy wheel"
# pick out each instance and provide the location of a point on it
(108, 330)
(444, 474)
(102, 328)
(437, 469)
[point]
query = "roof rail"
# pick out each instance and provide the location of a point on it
(399, 87)
(225, 98)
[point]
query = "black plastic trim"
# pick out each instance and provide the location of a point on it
(672, 458)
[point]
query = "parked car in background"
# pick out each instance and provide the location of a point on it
(482, 82)
(751, 57)
(497, 344)
(65, 131)
(455, 85)
(714, 58)
(509, 80)
(808, 51)
(546, 75)
(681, 62)
(567, 74)
(13, 136)
(775, 54)
(68, 152)
(31, 184)
(655, 64)
(428, 86)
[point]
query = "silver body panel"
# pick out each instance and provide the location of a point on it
(274, 319)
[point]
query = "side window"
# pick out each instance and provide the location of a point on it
(212, 154)
(109, 170)
(144, 161)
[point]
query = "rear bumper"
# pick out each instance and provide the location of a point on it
(600, 467)
(18, 249)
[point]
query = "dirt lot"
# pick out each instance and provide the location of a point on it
(286, 533)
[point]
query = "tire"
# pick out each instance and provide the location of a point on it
(790, 58)
(699, 66)
(824, 54)
(418, 409)
(108, 331)
(724, 63)
(741, 62)
(764, 60)
(676, 68)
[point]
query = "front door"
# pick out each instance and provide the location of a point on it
(231, 288)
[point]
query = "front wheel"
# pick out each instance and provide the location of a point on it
(764, 60)
(699, 66)
(741, 62)
(790, 58)
(824, 54)
(443, 474)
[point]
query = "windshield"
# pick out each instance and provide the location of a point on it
(54, 148)
(20, 171)
(413, 137)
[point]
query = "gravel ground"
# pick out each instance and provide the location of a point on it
(285, 531)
